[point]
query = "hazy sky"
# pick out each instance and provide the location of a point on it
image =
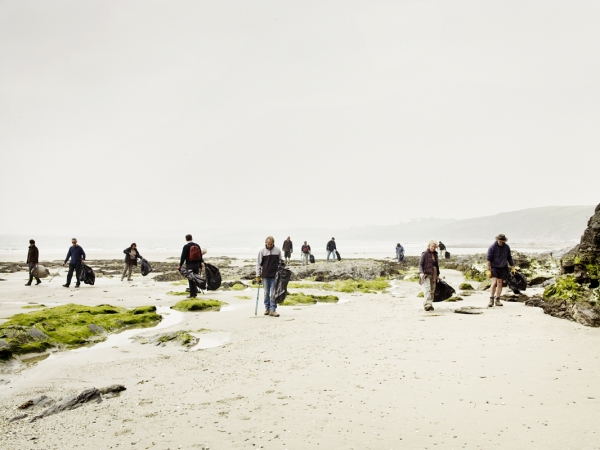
(178, 115)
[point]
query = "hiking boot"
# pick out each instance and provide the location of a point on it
(27, 284)
(129, 279)
(498, 302)
(274, 314)
(491, 302)
(77, 285)
(65, 285)
(266, 312)
(428, 308)
(38, 282)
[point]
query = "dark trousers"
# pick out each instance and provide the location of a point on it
(195, 268)
(74, 267)
(31, 267)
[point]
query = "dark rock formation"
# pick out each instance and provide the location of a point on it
(468, 310)
(71, 402)
(575, 294)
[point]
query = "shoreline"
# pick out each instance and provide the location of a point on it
(375, 371)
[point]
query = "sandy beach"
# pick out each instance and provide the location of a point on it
(373, 371)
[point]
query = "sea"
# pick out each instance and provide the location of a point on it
(52, 248)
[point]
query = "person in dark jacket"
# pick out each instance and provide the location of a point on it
(131, 257)
(305, 253)
(288, 249)
(399, 252)
(266, 269)
(192, 257)
(498, 259)
(77, 257)
(33, 257)
(429, 272)
(331, 249)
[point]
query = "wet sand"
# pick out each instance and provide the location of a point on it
(372, 372)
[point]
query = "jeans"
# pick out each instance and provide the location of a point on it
(195, 268)
(127, 268)
(74, 267)
(305, 258)
(269, 285)
(31, 269)
(331, 253)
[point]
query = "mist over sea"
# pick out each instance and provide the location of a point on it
(14, 248)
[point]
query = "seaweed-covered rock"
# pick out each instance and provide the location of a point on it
(573, 295)
(181, 337)
(69, 326)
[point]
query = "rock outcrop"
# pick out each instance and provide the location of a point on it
(575, 294)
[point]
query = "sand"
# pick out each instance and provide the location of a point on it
(372, 372)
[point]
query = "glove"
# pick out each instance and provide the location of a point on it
(512, 269)
(258, 280)
(488, 273)
(178, 268)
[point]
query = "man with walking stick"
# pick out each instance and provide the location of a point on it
(266, 269)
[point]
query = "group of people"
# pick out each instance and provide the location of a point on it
(306, 251)
(499, 261)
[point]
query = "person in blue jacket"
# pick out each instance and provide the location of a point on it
(498, 259)
(77, 256)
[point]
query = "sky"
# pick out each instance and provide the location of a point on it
(188, 116)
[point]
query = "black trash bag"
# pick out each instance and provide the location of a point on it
(87, 274)
(282, 278)
(213, 277)
(447, 255)
(145, 267)
(443, 291)
(516, 282)
(312, 259)
(194, 277)
(338, 255)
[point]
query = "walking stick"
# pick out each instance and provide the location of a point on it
(257, 295)
(55, 274)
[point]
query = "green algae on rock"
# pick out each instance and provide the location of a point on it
(195, 304)
(565, 288)
(68, 326)
(347, 286)
(308, 299)
(466, 287)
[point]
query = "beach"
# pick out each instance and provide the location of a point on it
(371, 371)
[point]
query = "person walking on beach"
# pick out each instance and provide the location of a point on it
(288, 249)
(131, 257)
(429, 272)
(498, 259)
(331, 249)
(77, 256)
(191, 255)
(399, 252)
(442, 248)
(33, 256)
(266, 269)
(305, 253)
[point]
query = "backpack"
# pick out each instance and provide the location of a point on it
(195, 253)
(213, 277)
